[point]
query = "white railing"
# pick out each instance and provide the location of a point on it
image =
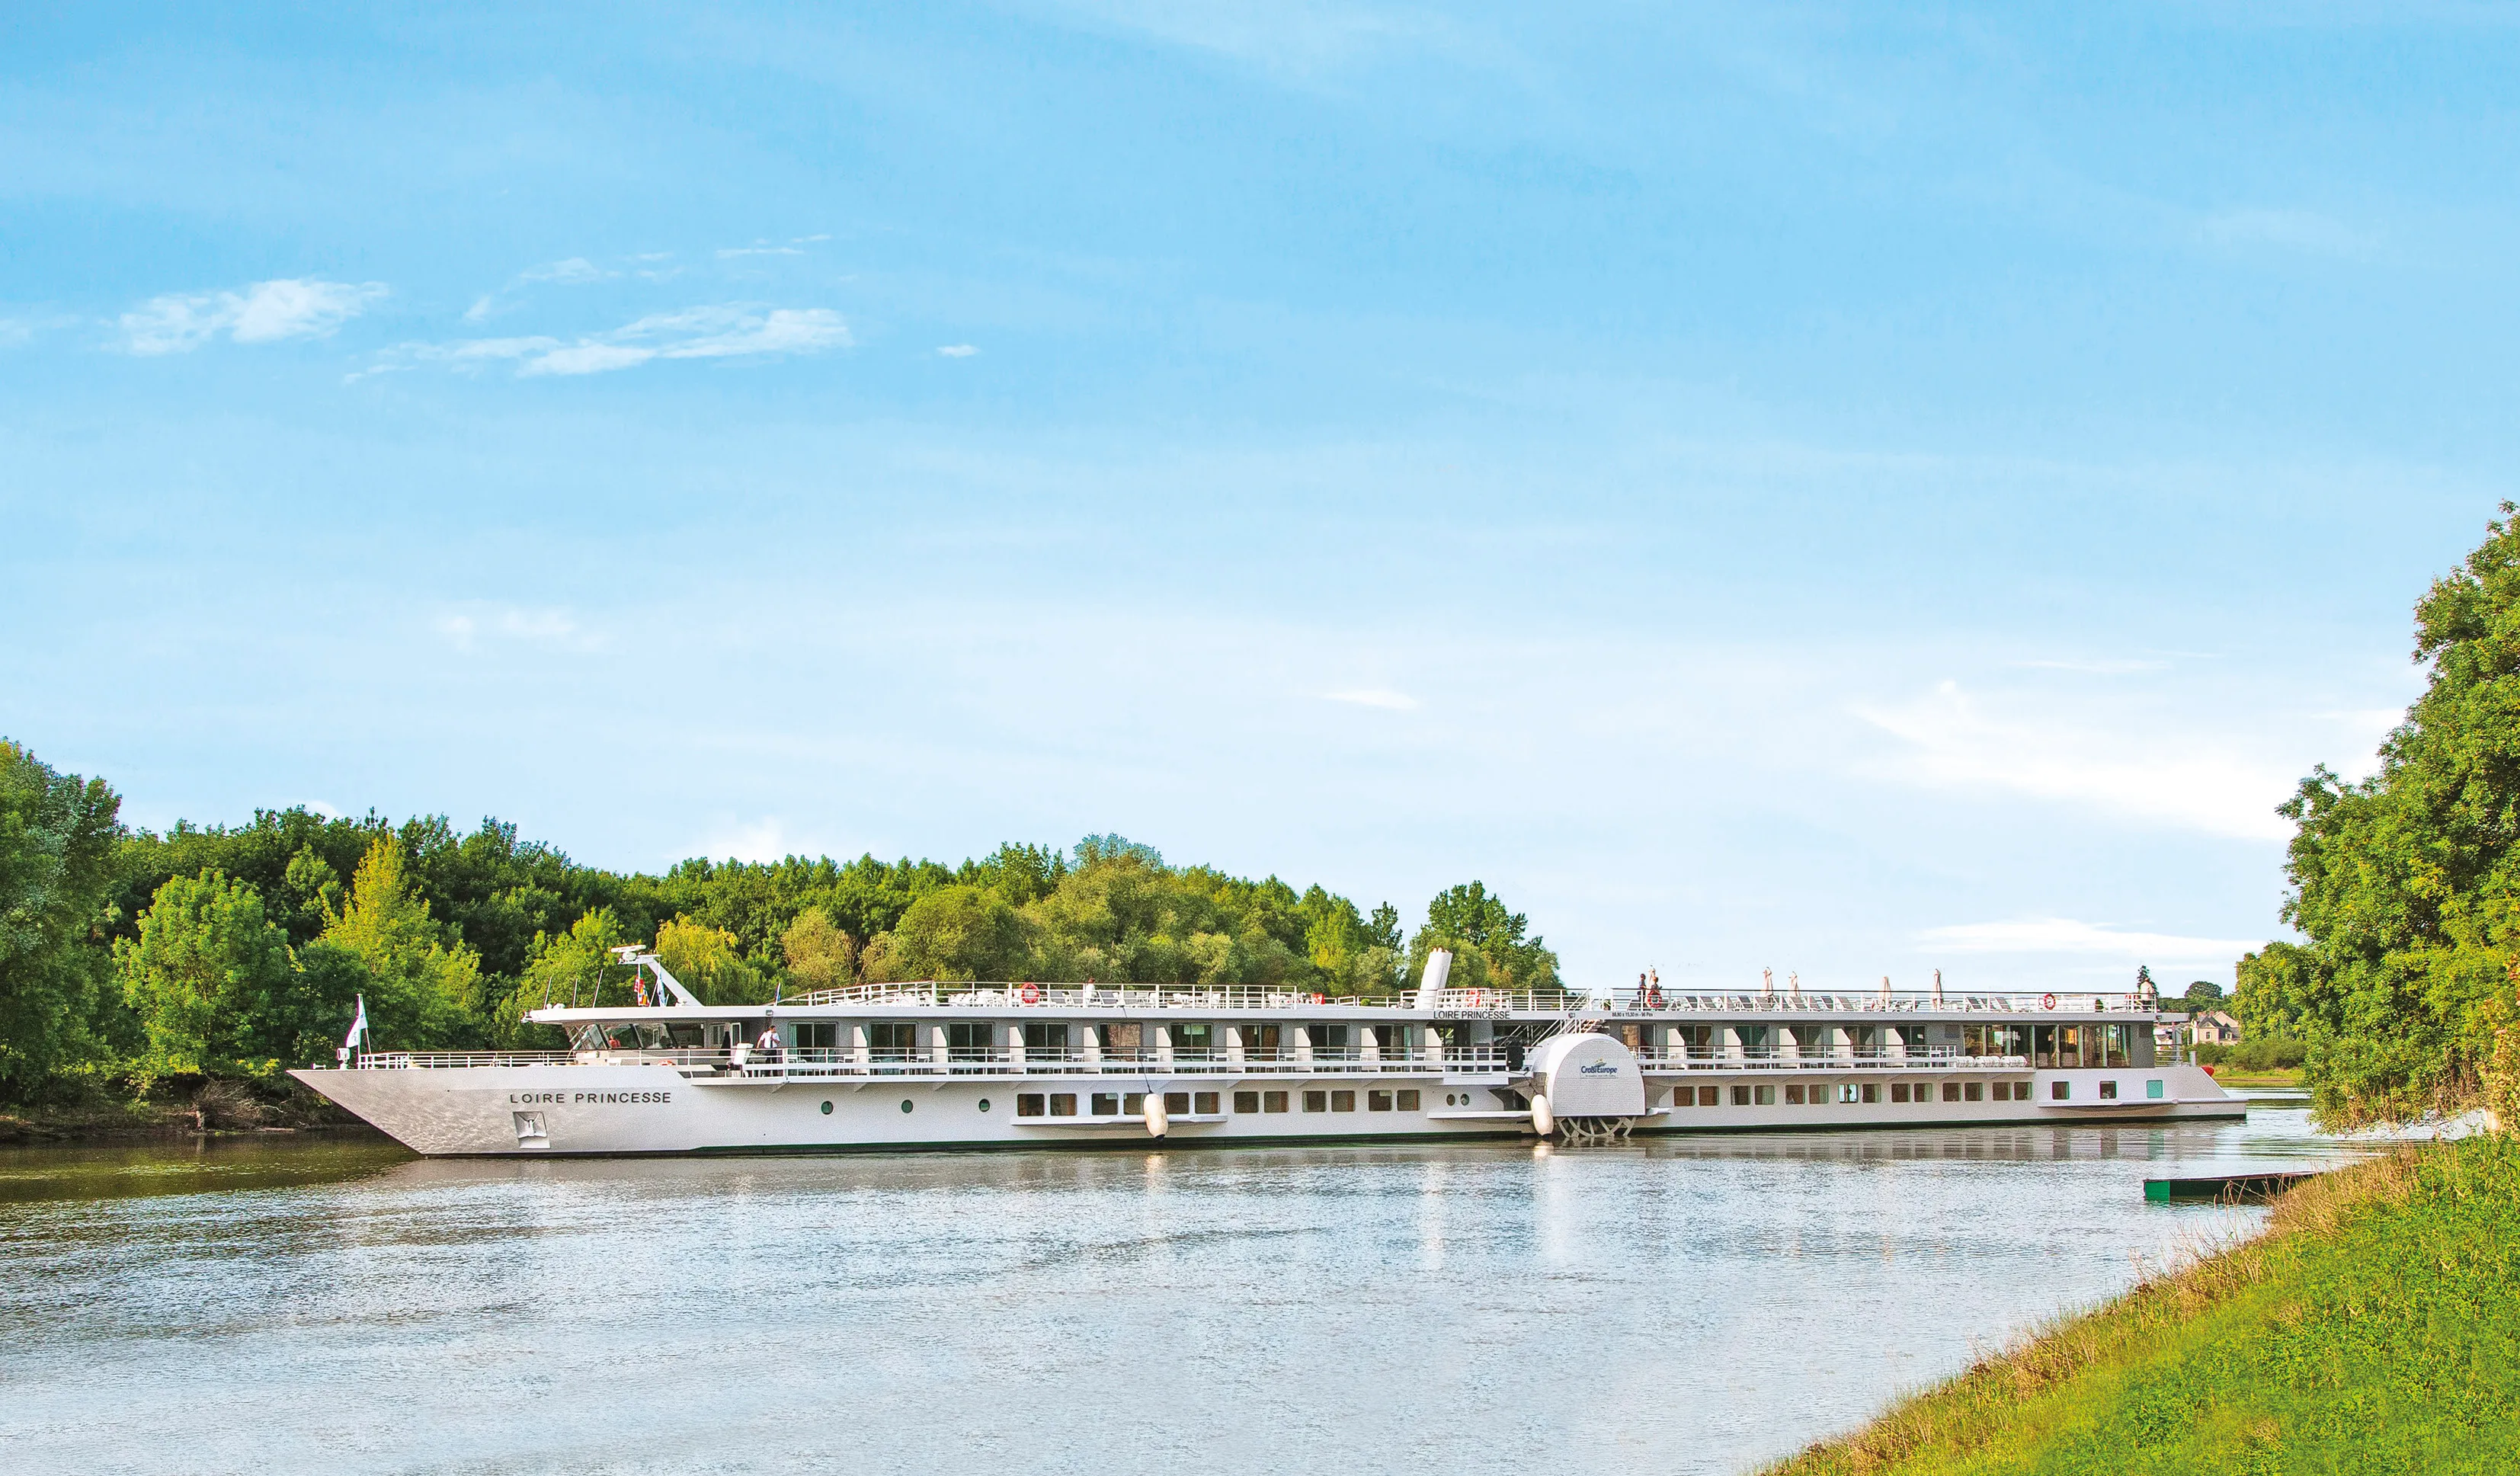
(435, 1061)
(1621, 1004)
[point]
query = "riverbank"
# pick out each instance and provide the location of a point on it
(179, 1110)
(2371, 1328)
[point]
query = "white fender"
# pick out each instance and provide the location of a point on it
(1542, 1121)
(1155, 1120)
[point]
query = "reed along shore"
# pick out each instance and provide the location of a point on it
(2373, 1326)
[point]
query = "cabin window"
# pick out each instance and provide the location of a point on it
(1912, 1038)
(1409, 1102)
(1767, 1095)
(1754, 1038)
(817, 1035)
(2113, 1046)
(1045, 1038)
(1062, 1105)
(1707, 1096)
(1810, 1040)
(1107, 1103)
(1124, 1041)
(1031, 1104)
(2152, 1089)
(969, 1040)
(1378, 1102)
(1261, 1042)
(1190, 1040)
(1342, 1101)
(1133, 1105)
(1273, 1101)
(1203, 1103)
(1872, 1092)
(1246, 1101)
(2108, 1091)
(1177, 1102)
(1951, 1092)
(1849, 1093)
(1898, 1092)
(1793, 1093)
(1976, 1092)
(1695, 1040)
(1328, 1041)
(1390, 1040)
(2061, 1091)
(895, 1040)
(1740, 1096)
(1317, 1101)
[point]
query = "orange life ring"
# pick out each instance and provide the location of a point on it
(1317, 999)
(2047, 1002)
(1032, 993)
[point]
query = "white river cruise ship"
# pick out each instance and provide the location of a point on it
(935, 1065)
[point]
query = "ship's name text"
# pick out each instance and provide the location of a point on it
(532, 1098)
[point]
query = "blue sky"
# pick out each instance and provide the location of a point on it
(1848, 491)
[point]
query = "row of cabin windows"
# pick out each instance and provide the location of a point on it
(1196, 1040)
(1204, 1103)
(1822, 1093)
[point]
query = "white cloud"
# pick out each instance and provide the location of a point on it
(764, 839)
(471, 628)
(957, 351)
(585, 358)
(266, 312)
(572, 272)
(722, 332)
(2293, 230)
(2170, 775)
(1375, 696)
(2065, 935)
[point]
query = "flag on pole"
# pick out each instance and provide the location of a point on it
(358, 1027)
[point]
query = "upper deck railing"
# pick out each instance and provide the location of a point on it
(1621, 1004)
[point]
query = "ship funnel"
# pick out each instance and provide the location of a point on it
(1430, 984)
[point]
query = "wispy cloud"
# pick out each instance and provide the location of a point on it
(2102, 667)
(957, 351)
(1375, 696)
(575, 270)
(765, 839)
(2291, 229)
(2051, 936)
(722, 332)
(2177, 778)
(475, 627)
(267, 312)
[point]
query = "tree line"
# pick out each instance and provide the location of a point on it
(131, 956)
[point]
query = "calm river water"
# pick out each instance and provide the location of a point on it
(1677, 1306)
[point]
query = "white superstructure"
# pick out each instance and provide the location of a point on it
(969, 1065)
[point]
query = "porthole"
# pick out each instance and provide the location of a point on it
(827, 1109)
(984, 1105)
(904, 1104)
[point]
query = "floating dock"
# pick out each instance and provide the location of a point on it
(2225, 1188)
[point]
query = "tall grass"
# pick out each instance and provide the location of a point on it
(2374, 1327)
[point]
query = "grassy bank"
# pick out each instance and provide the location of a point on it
(2375, 1328)
(2282, 1080)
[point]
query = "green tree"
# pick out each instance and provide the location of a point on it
(955, 932)
(710, 962)
(572, 967)
(423, 991)
(57, 838)
(211, 979)
(819, 955)
(2407, 886)
(1489, 949)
